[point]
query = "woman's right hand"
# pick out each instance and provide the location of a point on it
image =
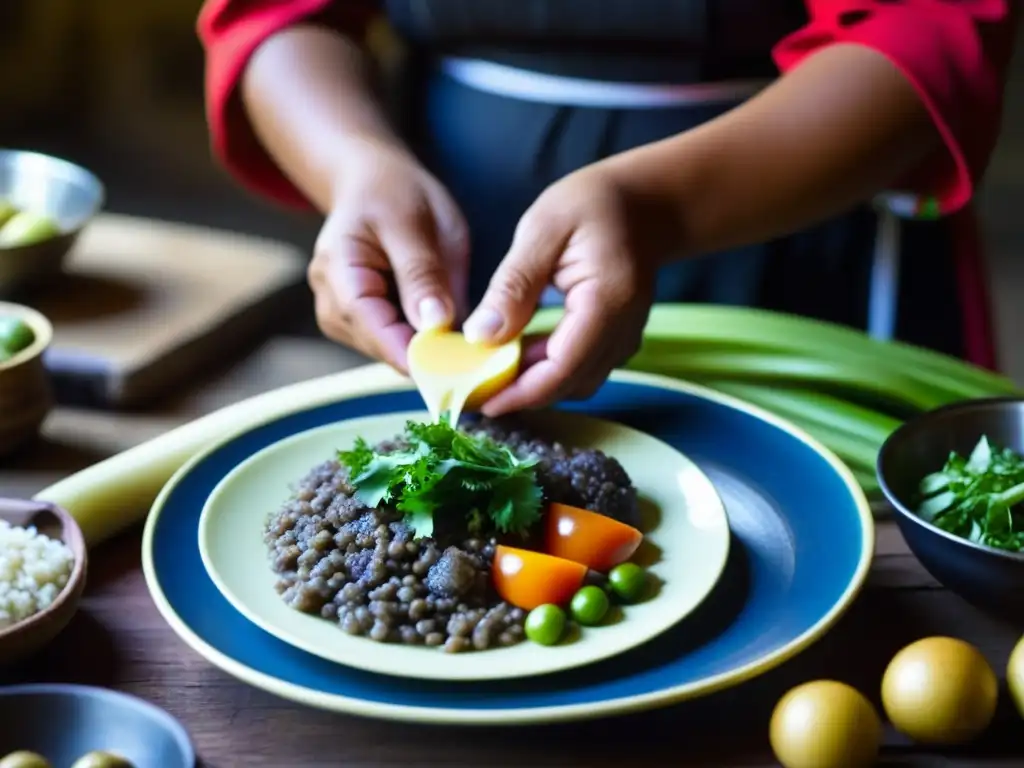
(392, 256)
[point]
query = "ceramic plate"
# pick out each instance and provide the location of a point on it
(686, 543)
(802, 539)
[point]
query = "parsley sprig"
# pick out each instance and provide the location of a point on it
(979, 497)
(447, 470)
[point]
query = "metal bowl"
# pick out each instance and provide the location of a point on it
(49, 186)
(63, 722)
(991, 579)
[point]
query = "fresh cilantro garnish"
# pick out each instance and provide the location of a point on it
(979, 497)
(446, 469)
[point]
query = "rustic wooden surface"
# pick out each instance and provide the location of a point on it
(119, 640)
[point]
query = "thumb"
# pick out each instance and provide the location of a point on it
(516, 286)
(421, 276)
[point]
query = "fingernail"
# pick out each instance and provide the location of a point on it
(483, 325)
(433, 314)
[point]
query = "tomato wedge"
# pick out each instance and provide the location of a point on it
(527, 579)
(592, 539)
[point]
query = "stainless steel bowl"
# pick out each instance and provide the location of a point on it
(46, 185)
(990, 578)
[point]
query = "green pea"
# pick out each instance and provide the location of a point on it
(15, 335)
(628, 581)
(545, 624)
(589, 606)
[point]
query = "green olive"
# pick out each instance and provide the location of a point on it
(589, 606)
(26, 228)
(545, 624)
(101, 759)
(7, 212)
(15, 335)
(628, 581)
(24, 759)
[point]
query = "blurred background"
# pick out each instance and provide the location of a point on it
(117, 87)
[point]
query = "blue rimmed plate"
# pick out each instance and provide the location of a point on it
(686, 546)
(802, 543)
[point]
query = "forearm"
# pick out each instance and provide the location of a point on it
(835, 131)
(308, 93)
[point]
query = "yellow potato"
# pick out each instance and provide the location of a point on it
(443, 364)
(825, 724)
(940, 690)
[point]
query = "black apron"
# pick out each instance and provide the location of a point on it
(496, 154)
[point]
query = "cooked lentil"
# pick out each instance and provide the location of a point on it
(361, 568)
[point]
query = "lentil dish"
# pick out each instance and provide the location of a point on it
(366, 569)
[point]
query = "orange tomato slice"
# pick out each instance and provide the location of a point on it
(527, 579)
(592, 539)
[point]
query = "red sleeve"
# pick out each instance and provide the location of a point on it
(230, 31)
(954, 53)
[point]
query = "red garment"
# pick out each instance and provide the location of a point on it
(954, 52)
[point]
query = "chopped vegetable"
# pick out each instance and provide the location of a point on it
(589, 606)
(15, 336)
(628, 581)
(595, 540)
(545, 624)
(978, 498)
(26, 228)
(443, 468)
(528, 579)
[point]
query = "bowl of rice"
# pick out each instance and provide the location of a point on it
(42, 575)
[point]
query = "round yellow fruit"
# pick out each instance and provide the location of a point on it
(1015, 676)
(825, 724)
(940, 690)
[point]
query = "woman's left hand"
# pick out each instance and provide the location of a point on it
(583, 236)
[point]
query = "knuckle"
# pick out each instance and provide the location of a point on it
(514, 286)
(422, 274)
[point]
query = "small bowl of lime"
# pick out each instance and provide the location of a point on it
(45, 203)
(26, 397)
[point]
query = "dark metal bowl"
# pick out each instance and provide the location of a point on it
(64, 722)
(991, 579)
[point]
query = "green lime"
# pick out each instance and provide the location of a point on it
(15, 335)
(589, 606)
(628, 581)
(545, 624)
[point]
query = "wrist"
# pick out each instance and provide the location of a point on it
(663, 184)
(351, 150)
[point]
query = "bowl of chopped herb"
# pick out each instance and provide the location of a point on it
(955, 476)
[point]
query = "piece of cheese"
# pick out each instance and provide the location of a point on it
(454, 375)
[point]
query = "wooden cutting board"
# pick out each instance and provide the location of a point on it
(146, 306)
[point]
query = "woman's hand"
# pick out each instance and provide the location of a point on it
(586, 237)
(392, 229)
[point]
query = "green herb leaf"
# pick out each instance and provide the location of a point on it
(978, 498)
(446, 470)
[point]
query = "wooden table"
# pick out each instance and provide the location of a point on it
(119, 640)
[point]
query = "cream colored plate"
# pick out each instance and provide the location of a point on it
(686, 546)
